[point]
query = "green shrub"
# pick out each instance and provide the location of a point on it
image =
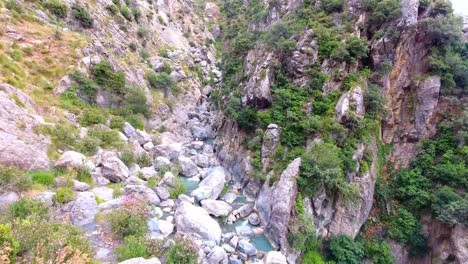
(92, 116)
(117, 122)
(82, 15)
(87, 89)
(379, 252)
(144, 54)
(136, 14)
(130, 219)
(142, 32)
(344, 250)
(247, 118)
(383, 10)
(57, 8)
(374, 103)
(161, 80)
(444, 31)
(357, 48)
(178, 189)
(106, 77)
(412, 188)
(302, 234)
(9, 245)
(450, 207)
(279, 37)
(14, 5)
(182, 251)
(404, 226)
(107, 138)
(12, 178)
(133, 247)
(133, 46)
(88, 145)
(137, 103)
(113, 9)
(43, 177)
(126, 13)
(144, 160)
(63, 195)
(152, 182)
(331, 6)
(128, 157)
(136, 121)
(25, 207)
(312, 257)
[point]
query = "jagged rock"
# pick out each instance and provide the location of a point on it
(71, 159)
(97, 177)
(169, 180)
(141, 261)
(148, 146)
(114, 169)
(169, 151)
(212, 185)
(244, 210)
(162, 193)
(409, 9)
(187, 167)
(80, 186)
(275, 257)
(143, 193)
(202, 133)
(257, 91)
(165, 227)
(148, 172)
(63, 85)
(275, 205)
(244, 231)
(135, 134)
(176, 76)
(110, 205)
(216, 208)
(217, 256)
(354, 98)
(459, 239)
(20, 145)
(84, 209)
(194, 220)
(201, 160)
(161, 163)
(229, 197)
(7, 198)
(271, 139)
(246, 247)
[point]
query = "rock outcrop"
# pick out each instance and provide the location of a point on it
(194, 220)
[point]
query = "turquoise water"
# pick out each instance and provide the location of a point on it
(261, 243)
(191, 184)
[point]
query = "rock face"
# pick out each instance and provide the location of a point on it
(19, 145)
(275, 205)
(353, 98)
(212, 185)
(84, 209)
(271, 139)
(194, 220)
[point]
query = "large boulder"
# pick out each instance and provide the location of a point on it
(84, 209)
(114, 169)
(141, 261)
(246, 247)
(217, 256)
(169, 151)
(275, 257)
(20, 145)
(212, 185)
(143, 193)
(72, 159)
(194, 220)
(188, 168)
(135, 134)
(8, 198)
(216, 208)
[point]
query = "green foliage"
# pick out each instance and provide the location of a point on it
(331, 6)
(441, 7)
(302, 234)
(450, 207)
(179, 188)
(382, 11)
(136, 121)
(82, 15)
(113, 9)
(106, 77)
(92, 116)
(144, 160)
(57, 8)
(344, 250)
(312, 257)
(142, 32)
(130, 219)
(43, 177)
(379, 252)
(14, 5)
(374, 103)
(181, 251)
(404, 226)
(133, 46)
(25, 207)
(12, 178)
(87, 89)
(137, 103)
(105, 136)
(357, 48)
(117, 122)
(444, 31)
(8, 240)
(63, 195)
(126, 13)
(279, 37)
(247, 118)
(133, 247)
(452, 65)
(161, 80)
(412, 188)
(128, 157)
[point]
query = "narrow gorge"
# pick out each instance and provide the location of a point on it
(233, 131)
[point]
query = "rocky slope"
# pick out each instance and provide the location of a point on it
(210, 114)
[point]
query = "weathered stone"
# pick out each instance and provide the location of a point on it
(187, 167)
(84, 209)
(270, 142)
(114, 169)
(201, 160)
(162, 193)
(212, 185)
(194, 220)
(135, 134)
(105, 193)
(7, 198)
(141, 261)
(169, 151)
(216, 208)
(244, 231)
(80, 186)
(97, 177)
(254, 219)
(246, 247)
(217, 256)
(142, 192)
(275, 257)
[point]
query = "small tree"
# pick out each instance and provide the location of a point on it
(161, 81)
(344, 250)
